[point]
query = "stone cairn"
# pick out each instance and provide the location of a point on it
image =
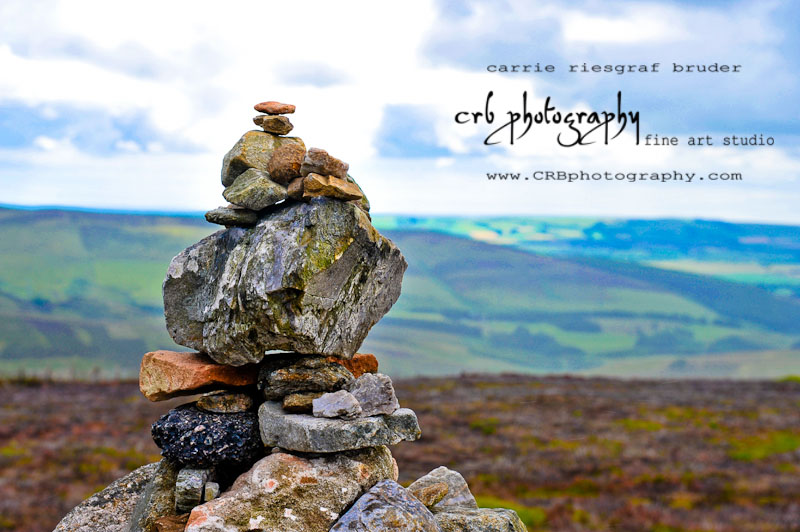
(290, 433)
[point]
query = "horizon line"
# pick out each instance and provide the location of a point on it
(199, 214)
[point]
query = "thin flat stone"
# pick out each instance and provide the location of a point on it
(167, 374)
(274, 108)
(358, 365)
(281, 376)
(225, 402)
(304, 433)
(232, 217)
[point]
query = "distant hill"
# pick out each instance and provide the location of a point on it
(80, 290)
(767, 256)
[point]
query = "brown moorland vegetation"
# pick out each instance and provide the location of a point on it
(568, 454)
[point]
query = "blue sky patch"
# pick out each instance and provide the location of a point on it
(407, 131)
(762, 37)
(89, 130)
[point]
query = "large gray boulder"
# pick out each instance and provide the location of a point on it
(111, 509)
(288, 493)
(309, 277)
(309, 434)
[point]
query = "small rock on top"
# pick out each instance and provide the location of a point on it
(274, 108)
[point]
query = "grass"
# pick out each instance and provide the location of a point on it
(487, 425)
(632, 425)
(770, 364)
(84, 289)
(13, 450)
(558, 471)
(761, 446)
(533, 516)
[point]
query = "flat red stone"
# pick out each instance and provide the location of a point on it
(167, 374)
(274, 108)
(358, 365)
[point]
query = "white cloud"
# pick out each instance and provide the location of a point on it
(195, 69)
(635, 25)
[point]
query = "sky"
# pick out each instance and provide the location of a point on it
(133, 105)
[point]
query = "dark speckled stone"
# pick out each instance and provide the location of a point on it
(202, 439)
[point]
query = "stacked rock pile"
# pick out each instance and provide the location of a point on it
(289, 426)
(266, 168)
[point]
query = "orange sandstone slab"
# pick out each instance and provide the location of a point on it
(167, 374)
(329, 186)
(358, 365)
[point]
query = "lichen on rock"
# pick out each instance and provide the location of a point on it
(284, 492)
(309, 277)
(111, 509)
(253, 150)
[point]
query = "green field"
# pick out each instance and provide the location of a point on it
(81, 290)
(767, 256)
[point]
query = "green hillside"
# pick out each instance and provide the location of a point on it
(767, 256)
(82, 290)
